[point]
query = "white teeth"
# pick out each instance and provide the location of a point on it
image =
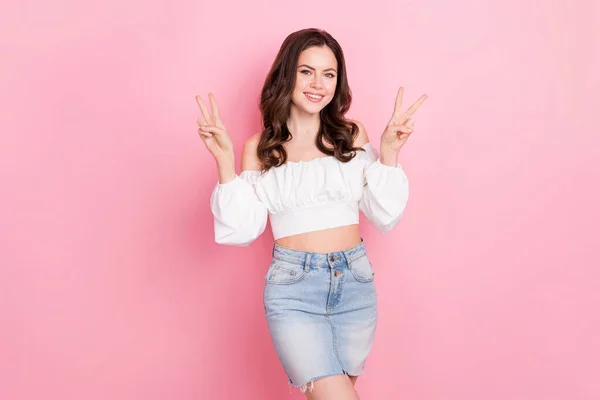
(312, 96)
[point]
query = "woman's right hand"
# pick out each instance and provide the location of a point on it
(213, 132)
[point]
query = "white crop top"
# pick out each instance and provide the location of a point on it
(306, 196)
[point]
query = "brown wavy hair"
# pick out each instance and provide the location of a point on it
(275, 101)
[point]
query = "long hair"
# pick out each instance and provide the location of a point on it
(275, 101)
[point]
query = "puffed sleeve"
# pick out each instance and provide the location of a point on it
(385, 192)
(239, 215)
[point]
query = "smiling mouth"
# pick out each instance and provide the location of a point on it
(315, 98)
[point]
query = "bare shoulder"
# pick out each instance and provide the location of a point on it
(362, 137)
(250, 159)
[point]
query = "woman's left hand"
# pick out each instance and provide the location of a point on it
(401, 125)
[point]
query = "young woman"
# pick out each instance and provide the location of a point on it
(311, 171)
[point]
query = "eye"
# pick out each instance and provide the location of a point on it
(304, 70)
(330, 75)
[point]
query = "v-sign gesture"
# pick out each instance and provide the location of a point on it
(401, 124)
(212, 131)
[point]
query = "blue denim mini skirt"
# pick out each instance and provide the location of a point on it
(321, 309)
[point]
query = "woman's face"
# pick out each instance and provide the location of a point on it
(316, 79)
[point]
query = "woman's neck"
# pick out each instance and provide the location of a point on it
(303, 125)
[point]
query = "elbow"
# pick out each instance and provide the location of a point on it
(386, 225)
(233, 241)
(384, 216)
(239, 234)
(236, 238)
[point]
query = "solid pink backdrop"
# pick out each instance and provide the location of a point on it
(112, 286)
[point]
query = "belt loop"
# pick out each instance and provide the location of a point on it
(346, 258)
(307, 262)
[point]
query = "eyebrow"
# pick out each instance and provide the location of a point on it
(309, 67)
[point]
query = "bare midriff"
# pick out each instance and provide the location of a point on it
(323, 241)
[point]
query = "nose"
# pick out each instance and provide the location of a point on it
(316, 82)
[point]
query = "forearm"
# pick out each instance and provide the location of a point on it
(388, 156)
(226, 168)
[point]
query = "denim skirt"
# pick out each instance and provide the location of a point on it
(321, 310)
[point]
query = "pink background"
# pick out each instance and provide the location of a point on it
(112, 286)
